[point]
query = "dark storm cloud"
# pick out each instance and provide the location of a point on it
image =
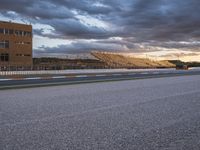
(85, 6)
(148, 22)
(58, 14)
(80, 47)
(73, 28)
(35, 9)
(161, 20)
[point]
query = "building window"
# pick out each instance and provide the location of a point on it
(4, 44)
(23, 33)
(16, 32)
(6, 31)
(1, 31)
(4, 57)
(22, 43)
(10, 31)
(28, 34)
(26, 55)
(28, 43)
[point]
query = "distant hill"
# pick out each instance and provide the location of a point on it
(115, 60)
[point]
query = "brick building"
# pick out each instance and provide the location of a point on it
(15, 45)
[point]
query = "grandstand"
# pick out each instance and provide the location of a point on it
(115, 60)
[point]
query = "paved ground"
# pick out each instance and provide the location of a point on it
(145, 114)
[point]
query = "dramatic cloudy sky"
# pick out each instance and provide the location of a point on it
(168, 28)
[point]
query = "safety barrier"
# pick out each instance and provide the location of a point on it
(48, 72)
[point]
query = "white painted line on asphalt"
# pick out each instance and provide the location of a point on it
(116, 74)
(59, 77)
(81, 76)
(5, 79)
(35, 78)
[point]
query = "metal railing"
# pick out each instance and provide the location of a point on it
(79, 71)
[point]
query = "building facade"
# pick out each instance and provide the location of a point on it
(15, 45)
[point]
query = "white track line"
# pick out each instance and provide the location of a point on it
(5, 79)
(35, 78)
(116, 74)
(59, 77)
(100, 75)
(81, 76)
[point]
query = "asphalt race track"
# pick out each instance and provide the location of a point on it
(145, 114)
(35, 81)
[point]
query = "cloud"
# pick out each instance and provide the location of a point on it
(141, 24)
(81, 47)
(182, 54)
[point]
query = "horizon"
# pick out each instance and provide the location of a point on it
(161, 29)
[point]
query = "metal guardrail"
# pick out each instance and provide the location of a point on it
(48, 72)
(4, 73)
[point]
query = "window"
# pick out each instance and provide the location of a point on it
(6, 31)
(27, 43)
(16, 32)
(4, 44)
(10, 31)
(26, 55)
(1, 31)
(21, 33)
(22, 43)
(28, 34)
(4, 57)
(25, 33)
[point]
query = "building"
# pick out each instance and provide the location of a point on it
(15, 45)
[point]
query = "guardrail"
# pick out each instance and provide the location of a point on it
(4, 73)
(49, 72)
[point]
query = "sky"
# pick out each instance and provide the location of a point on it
(160, 28)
